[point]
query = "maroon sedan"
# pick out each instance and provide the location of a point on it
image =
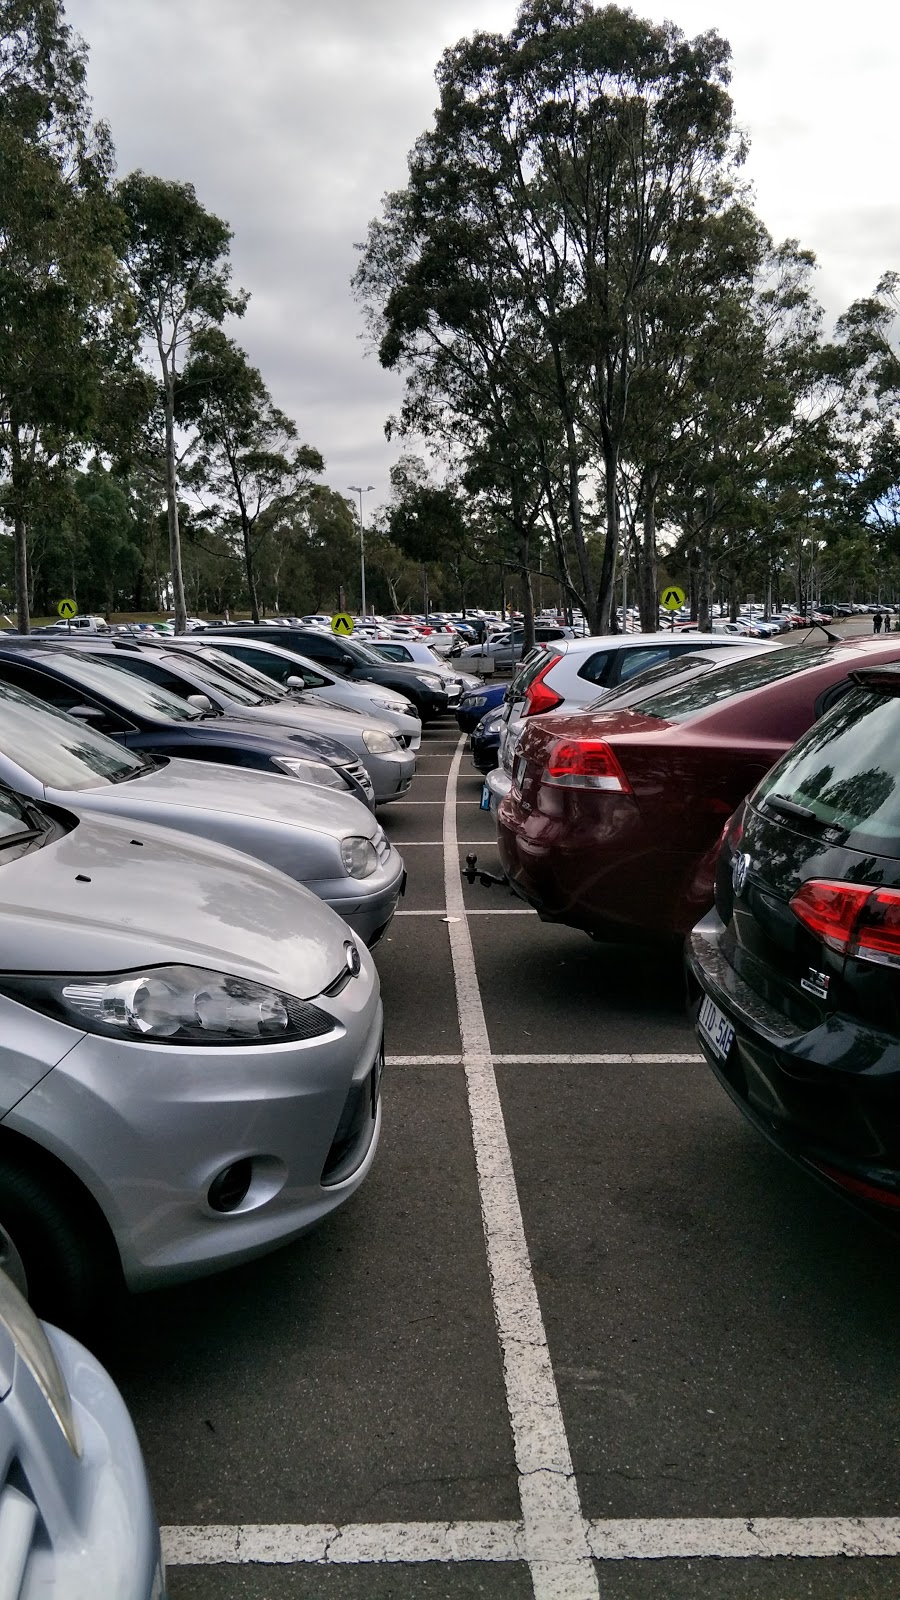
(614, 817)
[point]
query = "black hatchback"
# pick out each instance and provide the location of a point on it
(795, 975)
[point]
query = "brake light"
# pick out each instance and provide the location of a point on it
(539, 696)
(585, 764)
(859, 1186)
(851, 918)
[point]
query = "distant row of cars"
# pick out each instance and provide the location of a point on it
(625, 813)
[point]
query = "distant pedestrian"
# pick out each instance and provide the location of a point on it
(877, 620)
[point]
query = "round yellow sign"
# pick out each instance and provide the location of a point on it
(342, 623)
(67, 608)
(672, 598)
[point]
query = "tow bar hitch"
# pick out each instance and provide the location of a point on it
(473, 873)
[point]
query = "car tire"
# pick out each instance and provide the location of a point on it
(49, 1239)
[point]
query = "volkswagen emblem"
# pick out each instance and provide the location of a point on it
(740, 867)
(354, 962)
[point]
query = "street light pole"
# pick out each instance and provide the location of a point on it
(356, 488)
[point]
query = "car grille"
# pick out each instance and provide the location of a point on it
(382, 847)
(359, 772)
(404, 739)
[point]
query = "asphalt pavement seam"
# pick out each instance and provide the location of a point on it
(555, 1530)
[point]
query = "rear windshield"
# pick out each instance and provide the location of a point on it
(846, 770)
(675, 668)
(699, 694)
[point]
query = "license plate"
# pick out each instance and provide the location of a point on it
(485, 797)
(715, 1028)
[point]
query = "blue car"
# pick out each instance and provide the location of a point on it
(476, 703)
(485, 741)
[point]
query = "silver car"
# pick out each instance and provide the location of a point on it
(190, 1056)
(292, 671)
(76, 1515)
(390, 764)
(326, 840)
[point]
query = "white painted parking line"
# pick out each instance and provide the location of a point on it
(618, 1059)
(405, 802)
(480, 911)
(638, 1539)
(288, 1543)
(555, 1532)
(404, 844)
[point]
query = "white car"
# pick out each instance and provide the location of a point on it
(577, 672)
(418, 653)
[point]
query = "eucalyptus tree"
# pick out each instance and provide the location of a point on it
(565, 162)
(248, 458)
(59, 286)
(176, 259)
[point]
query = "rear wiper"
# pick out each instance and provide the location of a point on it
(790, 808)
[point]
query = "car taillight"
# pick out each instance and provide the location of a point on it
(585, 764)
(539, 696)
(851, 918)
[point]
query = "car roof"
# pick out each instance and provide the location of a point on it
(589, 643)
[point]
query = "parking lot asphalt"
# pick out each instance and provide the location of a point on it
(581, 1333)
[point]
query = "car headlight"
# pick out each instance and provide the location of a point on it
(34, 1349)
(475, 700)
(310, 771)
(431, 680)
(359, 857)
(379, 743)
(401, 706)
(171, 1005)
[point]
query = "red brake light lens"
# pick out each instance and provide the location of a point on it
(539, 696)
(851, 918)
(585, 764)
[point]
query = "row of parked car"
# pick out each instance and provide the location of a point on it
(191, 1030)
(743, 798)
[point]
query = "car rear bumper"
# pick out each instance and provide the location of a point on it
(828, 1097)
(499, 783)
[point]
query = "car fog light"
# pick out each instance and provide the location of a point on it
(229, 1189)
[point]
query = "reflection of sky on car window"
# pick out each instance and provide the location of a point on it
(132, 694)
(846, 770)
(688, 699)
(58, 751)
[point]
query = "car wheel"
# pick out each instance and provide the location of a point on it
(53, 1249)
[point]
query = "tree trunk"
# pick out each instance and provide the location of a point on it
(606, 596)
(648, 580)
(704, 620)
(248, 567)
(20, 529)
(172, 509)
(574, 499)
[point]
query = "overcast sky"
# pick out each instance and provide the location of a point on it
(293, 117)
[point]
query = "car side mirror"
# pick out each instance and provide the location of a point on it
(87, 713)
(295, 683)
(347, 663)
(200, 702)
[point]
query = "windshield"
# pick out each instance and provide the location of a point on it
(687, 700)
(203, 670)
(220, 666)
(362, 652)
(58, 750)
(105, 677)
(644, 683)
(846, 771)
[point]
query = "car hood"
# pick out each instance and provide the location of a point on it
(339, 724)
(205, 786)
(110, 895)
(212, 729)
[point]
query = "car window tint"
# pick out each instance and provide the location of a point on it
(631, 662)
(224, 674)
(846, 770)
(394, 652)
(60, 751)
(687, 700)
(596, 668)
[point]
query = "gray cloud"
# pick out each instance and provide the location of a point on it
(293, 118)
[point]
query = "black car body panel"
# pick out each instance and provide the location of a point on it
(814, 1060)
(345, 658)
(485, 740)
(227, 740)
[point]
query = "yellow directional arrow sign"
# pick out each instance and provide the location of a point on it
(67, 608)
(342, 623)
(672, 598)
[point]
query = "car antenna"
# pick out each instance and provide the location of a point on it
(835, 638)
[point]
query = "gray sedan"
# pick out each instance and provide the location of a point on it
(190, 1056)
(327, 841)
(389, 764)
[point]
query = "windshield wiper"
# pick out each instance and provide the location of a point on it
(791, 808)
